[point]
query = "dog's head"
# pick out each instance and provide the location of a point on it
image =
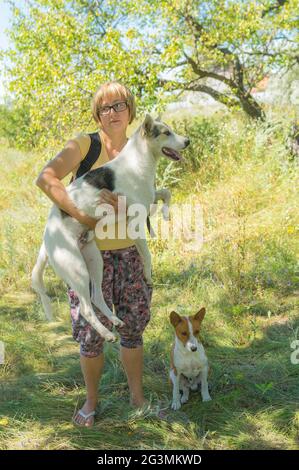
(187, 328)
(162, 140)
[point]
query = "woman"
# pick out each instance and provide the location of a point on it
(124, 285)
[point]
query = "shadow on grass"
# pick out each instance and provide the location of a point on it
(254, 393)
(257, 290)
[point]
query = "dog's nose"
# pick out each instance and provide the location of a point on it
(193, 348)
(187, 142)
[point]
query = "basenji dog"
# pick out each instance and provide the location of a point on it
(131, 174)
(188, 362)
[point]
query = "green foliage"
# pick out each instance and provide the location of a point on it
(204, 134)
(234, 43)
(15, 125)
(245, 275)
(61, 51)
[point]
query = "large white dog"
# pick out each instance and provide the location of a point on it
(132, 174)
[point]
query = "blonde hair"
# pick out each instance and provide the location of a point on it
(114, 88)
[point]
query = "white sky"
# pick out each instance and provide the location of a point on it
(5, 17)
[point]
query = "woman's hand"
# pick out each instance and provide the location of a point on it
(85, 219)
(107, 197)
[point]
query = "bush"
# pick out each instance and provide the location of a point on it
(15, 126)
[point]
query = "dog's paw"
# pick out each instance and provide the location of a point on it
(117, 321)
(176, 404)
(110, 337)
(206, 398)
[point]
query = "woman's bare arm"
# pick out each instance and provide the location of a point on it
(49, 181)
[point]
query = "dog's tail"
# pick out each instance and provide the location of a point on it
(37, 281)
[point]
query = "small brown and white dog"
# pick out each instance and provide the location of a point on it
(188, 363)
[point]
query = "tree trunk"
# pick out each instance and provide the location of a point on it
(251, 106)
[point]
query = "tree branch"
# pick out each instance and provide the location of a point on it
(194, 86)
(221, 97)
(277, 5)
(238, 72)
(205, 74)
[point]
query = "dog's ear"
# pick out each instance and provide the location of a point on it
(200, 314)
(147, 125)
(158, 118)
(175, 318)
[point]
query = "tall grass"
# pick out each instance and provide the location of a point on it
(245, 274)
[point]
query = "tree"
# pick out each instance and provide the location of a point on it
(14, 125)
(224, 47)
(61, 52)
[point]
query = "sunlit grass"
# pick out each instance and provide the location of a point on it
(245, 274)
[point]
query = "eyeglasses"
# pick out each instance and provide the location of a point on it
(117, 107)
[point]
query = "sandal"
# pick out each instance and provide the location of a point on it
(85, 416)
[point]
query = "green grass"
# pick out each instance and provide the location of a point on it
(245, 274)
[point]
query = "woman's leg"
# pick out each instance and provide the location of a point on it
(91, 356)
(132, 360)
(92, 368)
(132, 298)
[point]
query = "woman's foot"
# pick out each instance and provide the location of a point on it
(86, 415)
(139, 403)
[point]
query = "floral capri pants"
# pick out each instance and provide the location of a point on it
(123, 286)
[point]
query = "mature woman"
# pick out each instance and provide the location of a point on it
(124, 285)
